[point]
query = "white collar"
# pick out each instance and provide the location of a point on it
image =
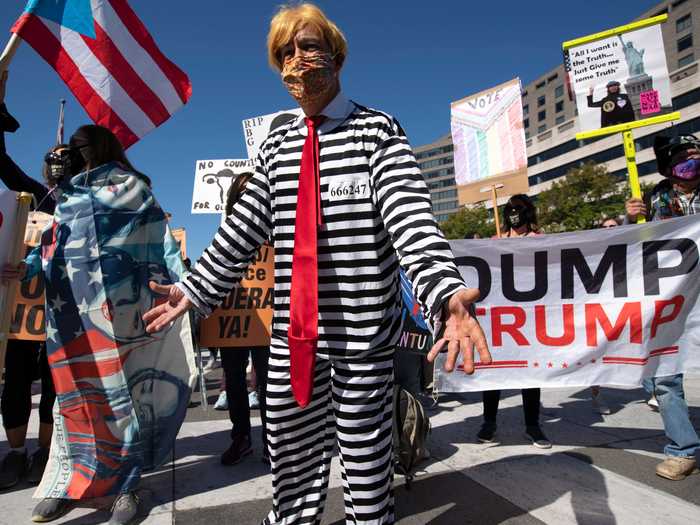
(335, 112)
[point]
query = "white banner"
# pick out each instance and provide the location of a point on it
(256, 129)
(599, 307)
(620, 79)
(212, 180)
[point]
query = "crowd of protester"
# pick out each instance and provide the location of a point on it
(93, 147)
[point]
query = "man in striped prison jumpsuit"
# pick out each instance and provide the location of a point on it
(342, 199)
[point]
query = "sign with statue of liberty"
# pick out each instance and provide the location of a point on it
(619, 79)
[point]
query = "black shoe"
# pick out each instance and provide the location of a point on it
(537, 437)
(13, 468)
(49, 509)
(124, 509)
(487, 433)
(37, 466)
(239, 448)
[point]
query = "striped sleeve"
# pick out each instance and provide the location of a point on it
(404, 204)
(222, 266)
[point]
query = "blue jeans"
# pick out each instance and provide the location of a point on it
(674, 412)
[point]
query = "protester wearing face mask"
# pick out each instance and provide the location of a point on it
(25, 361)
(520, 220)
(678, 159)
(341, 195)
(119, 401)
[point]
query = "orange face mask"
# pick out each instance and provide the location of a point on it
(308, 78)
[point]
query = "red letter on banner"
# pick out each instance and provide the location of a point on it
(541, 326)
(660, 306)
(631, 312)
(497, 327)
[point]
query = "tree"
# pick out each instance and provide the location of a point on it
(469, 221)
(581, 200)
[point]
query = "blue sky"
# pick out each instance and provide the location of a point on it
(407, 58)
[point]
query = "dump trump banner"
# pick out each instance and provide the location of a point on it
(244, 319)
(619, 79)
(28, 316)
(488, 135)
(608, 306)
(256, 129)
(212, 180)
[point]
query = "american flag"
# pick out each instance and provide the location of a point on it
(110, 62)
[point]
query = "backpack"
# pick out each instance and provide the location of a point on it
(411, 428)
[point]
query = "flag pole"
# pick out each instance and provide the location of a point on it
(61, 117)
(9, 52)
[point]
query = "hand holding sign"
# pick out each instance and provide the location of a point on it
(462, 333)
(162, 315)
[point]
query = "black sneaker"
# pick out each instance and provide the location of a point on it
(13, 468)
(537, 437)
(487, 433)
(124, 509)
(49, 509)
(239, 448)
(37, 466)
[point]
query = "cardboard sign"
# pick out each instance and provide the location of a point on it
(245, 317)
(212, 180)
(28, 310)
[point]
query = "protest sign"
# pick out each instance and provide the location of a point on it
(489, 141)
(256, 129)
(180, 236)
(619, 79)
(245, 317)
(28, 310)
(212, 180)
(8, 232)
(598, 307)
(415, 335)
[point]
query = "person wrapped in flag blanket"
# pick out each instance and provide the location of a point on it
(122, 393)
(341, 196)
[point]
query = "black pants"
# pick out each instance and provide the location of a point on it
(26, 361)
(531, 405)
(234, 362)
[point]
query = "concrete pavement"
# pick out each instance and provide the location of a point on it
(600, 470)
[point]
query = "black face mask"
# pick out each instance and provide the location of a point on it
(63, 164)
(517, 217)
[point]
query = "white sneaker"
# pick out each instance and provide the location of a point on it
(599, 405)
(221, 402)
(253, 401)
(653, 403)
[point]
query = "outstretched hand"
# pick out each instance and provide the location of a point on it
(162, 315)
(462, 333)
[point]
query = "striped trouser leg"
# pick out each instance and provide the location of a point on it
(300, 442)
(362, 403)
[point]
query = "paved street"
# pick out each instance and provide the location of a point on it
(600, 470)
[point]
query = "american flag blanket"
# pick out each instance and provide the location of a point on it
(122, 393)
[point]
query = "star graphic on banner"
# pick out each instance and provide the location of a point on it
(94, 251)
(57, 304)
(565, 365)
(50, 332)
(83, 306)
(550, 365)
(79, 333)
(95, 276)
(69, 270)
(536, 364)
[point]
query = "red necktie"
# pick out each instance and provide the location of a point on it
(303, 305)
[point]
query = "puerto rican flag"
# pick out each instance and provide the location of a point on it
(110, 62)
